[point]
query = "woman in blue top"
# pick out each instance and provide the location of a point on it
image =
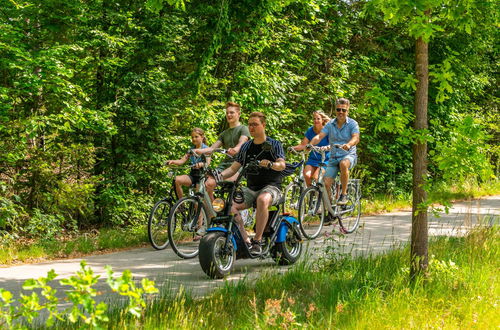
(198, 139)
(311, 170)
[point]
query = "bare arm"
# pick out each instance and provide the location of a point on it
(210, 149)
(231, 170)
(236, 149)
(278, 165)
(315, 140)
(352, 142)
(302, 145)
(180, 161)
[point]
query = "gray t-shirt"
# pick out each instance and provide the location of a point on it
(230, 138)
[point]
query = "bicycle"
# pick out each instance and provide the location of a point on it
(314, 204)
(295, 188)
(224, 243)
(158, 217)
(190, 216)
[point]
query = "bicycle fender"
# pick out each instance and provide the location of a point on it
(283, 229)
(223, 230)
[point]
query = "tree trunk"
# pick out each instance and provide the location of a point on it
(419, 231)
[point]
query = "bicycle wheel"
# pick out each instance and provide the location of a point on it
(186, 219)
(351, 212)
(311, 215)
(292, 197)
(157, 225)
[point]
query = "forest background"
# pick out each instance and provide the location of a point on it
(96, 95)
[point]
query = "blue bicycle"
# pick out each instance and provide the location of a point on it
(223, 243)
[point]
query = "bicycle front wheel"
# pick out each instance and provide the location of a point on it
(311, 213)
(292, 198)
(157, 225)
(186, 223)
(350, 213)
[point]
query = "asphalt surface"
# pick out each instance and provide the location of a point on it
(376, 234)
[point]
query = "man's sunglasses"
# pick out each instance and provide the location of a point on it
(341, 109)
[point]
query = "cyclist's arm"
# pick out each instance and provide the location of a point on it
(302, 145)
(178, 161)
(236, 149)
(315, 140)
(231, 170)
(208, 150)
(352, 142)
(278, 165)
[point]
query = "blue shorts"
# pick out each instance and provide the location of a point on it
(333, 165)
(314, 162)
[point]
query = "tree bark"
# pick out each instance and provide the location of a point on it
(419, 230)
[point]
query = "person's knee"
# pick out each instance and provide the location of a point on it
(210, 183)
(264, 200)
(182, 181)
(345, 164)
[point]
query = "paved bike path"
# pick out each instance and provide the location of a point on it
(376, 234)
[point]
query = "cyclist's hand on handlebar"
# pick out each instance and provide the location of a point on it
(309, 146)
(346, 147)
(231, 151)
(265, 163)
(199, 165)
(169, 162)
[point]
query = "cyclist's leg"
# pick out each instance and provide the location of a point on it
(331, 173)
(315, 174)
(308, 172)
(346, 164)
(269, 195)
(180, 181)
(195, 180)
(248, 199)
(210, 186)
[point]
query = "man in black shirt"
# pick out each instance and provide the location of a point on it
(263, 187)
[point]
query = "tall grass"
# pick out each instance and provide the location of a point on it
(460, 291)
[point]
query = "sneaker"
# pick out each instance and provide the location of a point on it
(328, 220)
(342, 200)
(255, 247)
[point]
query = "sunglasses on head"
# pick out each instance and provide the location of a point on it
(341, 109)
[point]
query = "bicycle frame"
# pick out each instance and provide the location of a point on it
(325, 196)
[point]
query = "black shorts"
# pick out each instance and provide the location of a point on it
(195, 176)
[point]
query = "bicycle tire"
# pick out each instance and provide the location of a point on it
(311, 216)
(349, 221)
(183, 224)
(158, 224)
(292, 198)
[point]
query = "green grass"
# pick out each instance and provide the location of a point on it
(460, 292)
(441, 193)
(82, 243)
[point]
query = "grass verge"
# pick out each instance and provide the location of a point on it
(461, 291)
(106, 239)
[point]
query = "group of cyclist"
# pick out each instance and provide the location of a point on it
(264, 188)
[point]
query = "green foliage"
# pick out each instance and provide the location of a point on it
(95, 96)
(81, 295)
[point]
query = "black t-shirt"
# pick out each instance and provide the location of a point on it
(250, 151)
